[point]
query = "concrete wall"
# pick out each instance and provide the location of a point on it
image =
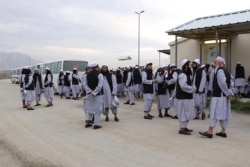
(187, 48)
(241, 52)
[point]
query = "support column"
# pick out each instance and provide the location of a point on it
(176, 50)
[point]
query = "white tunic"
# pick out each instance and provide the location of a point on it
(48, 91)
(199, 100)
(163, 99)
(94, 105)
(185, 107)
(30, 94)
(150, 96)
(60, 87)
(220, 107)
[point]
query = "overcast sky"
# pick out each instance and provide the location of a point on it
(98, 29)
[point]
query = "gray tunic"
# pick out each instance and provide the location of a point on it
(148, 97)
(108, 96)
(66, 89)
(163, 99)
(48, 91)
(170, 82)
(211, 78)
(30, 94)
(199, 99)
(22, 89)
(76, 88)
(131, 87)
(95, 104)
(185, 107)
(60, 87)
(220, 107)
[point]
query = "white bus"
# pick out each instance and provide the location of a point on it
(64, 65)
(15, 75)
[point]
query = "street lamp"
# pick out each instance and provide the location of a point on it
(139, 13)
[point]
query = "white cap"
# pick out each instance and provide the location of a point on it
(92, 64)
(203, 65)
(74, 68)
(163, 66)
(172, 65)
(136, 67)
(184, 61)
(25, 67)
(47, 68)
(148, 63)
(116, 102)
(221, 59)
(238, 62)
(128, 67)
(197, 61)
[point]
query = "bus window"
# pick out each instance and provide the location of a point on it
(80, 65)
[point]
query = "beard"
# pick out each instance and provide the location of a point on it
(105, 72)
(189, 71)
(195, 68)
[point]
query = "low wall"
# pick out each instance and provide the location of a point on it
(5, 74)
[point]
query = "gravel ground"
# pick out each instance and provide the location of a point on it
(56, 137)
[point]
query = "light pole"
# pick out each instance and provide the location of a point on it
(139, 14)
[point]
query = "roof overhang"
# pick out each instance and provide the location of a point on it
(165, 51)
(205, 28)
(208, 33)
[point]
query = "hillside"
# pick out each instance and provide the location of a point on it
(9, 60)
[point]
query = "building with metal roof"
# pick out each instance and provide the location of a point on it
(230, 33)
(205, 28)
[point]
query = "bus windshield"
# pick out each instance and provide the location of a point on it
(69, 65)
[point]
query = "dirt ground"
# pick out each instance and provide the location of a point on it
(56, 137)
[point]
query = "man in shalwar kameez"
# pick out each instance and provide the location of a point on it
(239, 79)
(148, 82)
(24, 71)
(171, 82)
(199, 81)
(48, 87)
(93, 100)
(220, 105)
(184, 102)
(109, 92)
(137, 80)
(60, 83)
(67, 83)
(75, 84)
(38, 83)
(83, 83)
(162, 92)
(29, 89)
(129, 87)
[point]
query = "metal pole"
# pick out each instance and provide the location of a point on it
(159, 58)
(176, 50)
(139, 39)
(139, 20)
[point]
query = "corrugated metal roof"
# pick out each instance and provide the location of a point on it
(228, 23)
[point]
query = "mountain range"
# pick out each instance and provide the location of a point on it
(10, 60)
